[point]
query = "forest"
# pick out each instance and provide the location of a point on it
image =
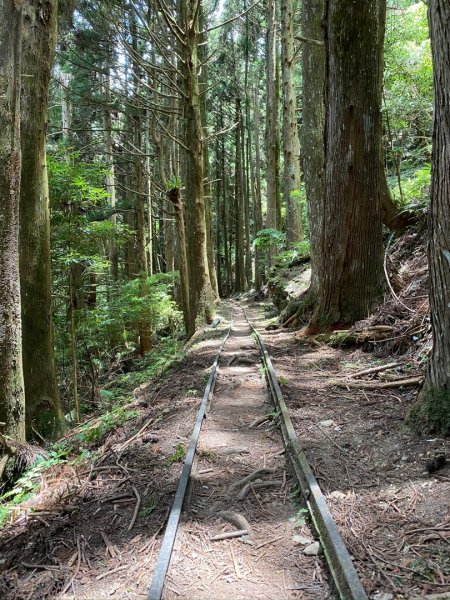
(165, 162)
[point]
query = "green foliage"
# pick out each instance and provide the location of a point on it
(416, 188)
(148, 300)
(177, 456)
(74, 182)
(28, 484)
(153, 364)
(149, 506)
(267, 238)
(408, 92)
(90, 434)
(294, 493)
(300, 517)
(173, 183)
(297, 252)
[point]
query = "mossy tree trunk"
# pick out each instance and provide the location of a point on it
(43, 406)
(313, 124)
(204, 77)
(257, 205)
(174, 196)
(12, 394)
(201, 299)
(140, 190)
(272, 126)
(291, 141)
(432, 413)
(109, 159)
(350, 262)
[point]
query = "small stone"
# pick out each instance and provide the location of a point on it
(327, 423)
(337, 494)
(382, 596)
(313, 549)
(301, 540)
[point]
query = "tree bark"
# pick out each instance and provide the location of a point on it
(43, 406)
(257, 205)
(12, 395)
(291, 141)
(272, 131)
(110, 176)
(239, 263)
(433, 411)
(210, 238)
(313, 125)
(201, 294)
(174, 196)
(351, 248)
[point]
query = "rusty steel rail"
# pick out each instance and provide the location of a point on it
(343, 572)
(165, 553)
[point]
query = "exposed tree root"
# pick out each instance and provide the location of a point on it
(374, 370)
(260, 421)
(258, 485)
(377, 385)
(347, 337)
(237, 520)
(255, 475)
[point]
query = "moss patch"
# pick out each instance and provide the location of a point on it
(431, 413)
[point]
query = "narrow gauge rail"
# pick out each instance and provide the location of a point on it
(340, 565)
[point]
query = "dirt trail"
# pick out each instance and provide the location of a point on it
(93, 529)
(268, 564)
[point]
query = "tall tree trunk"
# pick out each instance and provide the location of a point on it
(110, 175)
(257, 205)
(218, 210)
(140, 190)
(43, 406)
(291, 141)
(66, 105)
(210, 241)
(12, 394)
(272, 130)
(351, 247)
(174, 196)
(149, 237)
(433, 411)
(313, 124)
(247, 160)
(201, 294)
(225, 209)
(73, 349)
(239, 284)
(245, 208)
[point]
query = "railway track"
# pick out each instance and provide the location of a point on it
(235, 471)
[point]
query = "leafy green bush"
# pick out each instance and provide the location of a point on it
(408, 89)
(290, 257)
(416, 189)
(415, 185)
(267, 238)
(90, 434)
